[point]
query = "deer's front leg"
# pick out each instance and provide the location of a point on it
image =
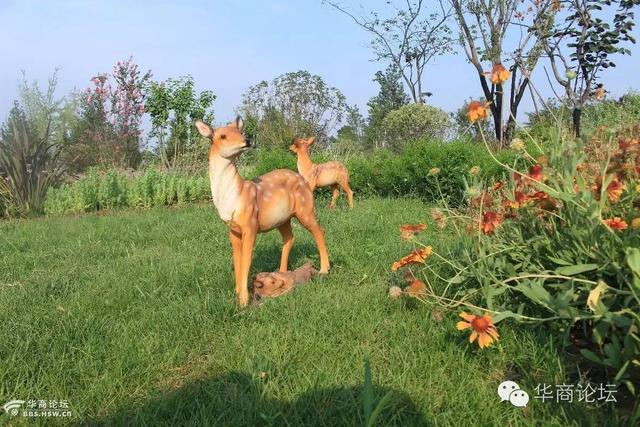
(236, 250)
(242, 287)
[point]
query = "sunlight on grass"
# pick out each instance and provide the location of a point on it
(131, 317)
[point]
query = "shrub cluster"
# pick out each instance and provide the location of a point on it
(388, 174)
(414, 121)
(113, 188)
(558, 245)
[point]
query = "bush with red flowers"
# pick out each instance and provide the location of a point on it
(556, 244)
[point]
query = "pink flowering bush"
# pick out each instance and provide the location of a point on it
(111, 112)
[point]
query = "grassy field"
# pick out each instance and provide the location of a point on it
(131, 317)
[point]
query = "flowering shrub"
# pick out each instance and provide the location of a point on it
(109, 129)
(558, 243)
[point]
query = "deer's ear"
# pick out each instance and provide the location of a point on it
(311, 140)
(204, 129)
(239, 123)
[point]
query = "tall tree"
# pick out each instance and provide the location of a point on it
(297, 103)
(484, 27)
(409, 39)
(591, 31)
(390, 97)
(173, 106)
(354, 125)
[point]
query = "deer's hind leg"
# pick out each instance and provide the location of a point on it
(336, 192)
(287, 244)
(344, 183)
(305, 213)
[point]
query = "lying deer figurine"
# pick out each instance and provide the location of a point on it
(252, 207)
(332, 173)
(271, 285)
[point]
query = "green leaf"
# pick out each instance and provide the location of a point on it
(576, 269)
(507, 314)
(379, 408)
(367, 390)
(535, 291)
(590, 355)
(559, 261)
(633, 259)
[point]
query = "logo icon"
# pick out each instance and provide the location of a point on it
(12, 407)
(509, 390)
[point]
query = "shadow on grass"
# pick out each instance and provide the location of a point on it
(237, 399)
(266, 257)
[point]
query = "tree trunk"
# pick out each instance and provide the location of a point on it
(577, 114)
(497, 119)
(497, 114)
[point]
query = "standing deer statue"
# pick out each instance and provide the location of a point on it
(333, 173)
(252, 207)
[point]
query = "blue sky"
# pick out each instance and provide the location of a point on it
(226, 45)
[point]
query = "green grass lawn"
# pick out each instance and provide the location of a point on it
(131, 317)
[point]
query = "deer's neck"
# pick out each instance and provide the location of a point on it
(305, 165)
(226, 184)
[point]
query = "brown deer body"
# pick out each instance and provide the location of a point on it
(333, 173)
(252, 207)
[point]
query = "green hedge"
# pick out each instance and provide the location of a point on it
(111, 189)
(384, 173)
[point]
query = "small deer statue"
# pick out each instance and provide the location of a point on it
(333, 173)
(252, 207)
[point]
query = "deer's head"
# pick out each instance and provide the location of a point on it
(302, 144)
(228, 140)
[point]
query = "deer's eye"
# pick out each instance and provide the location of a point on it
(223, 136)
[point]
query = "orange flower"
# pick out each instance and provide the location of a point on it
(477, 111)
(518, 180)
(615, 223)
(482, 199)
(415, 257)
(635, 223)
(535, 173)
(520, 199)
(499, 74)
(615, 190)
(490, 221)
(539, 195)
(626, 144)
(416, 288)
(498, 186)
(599, 93)
(439, 219)
(482, 328)
(408, 231)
